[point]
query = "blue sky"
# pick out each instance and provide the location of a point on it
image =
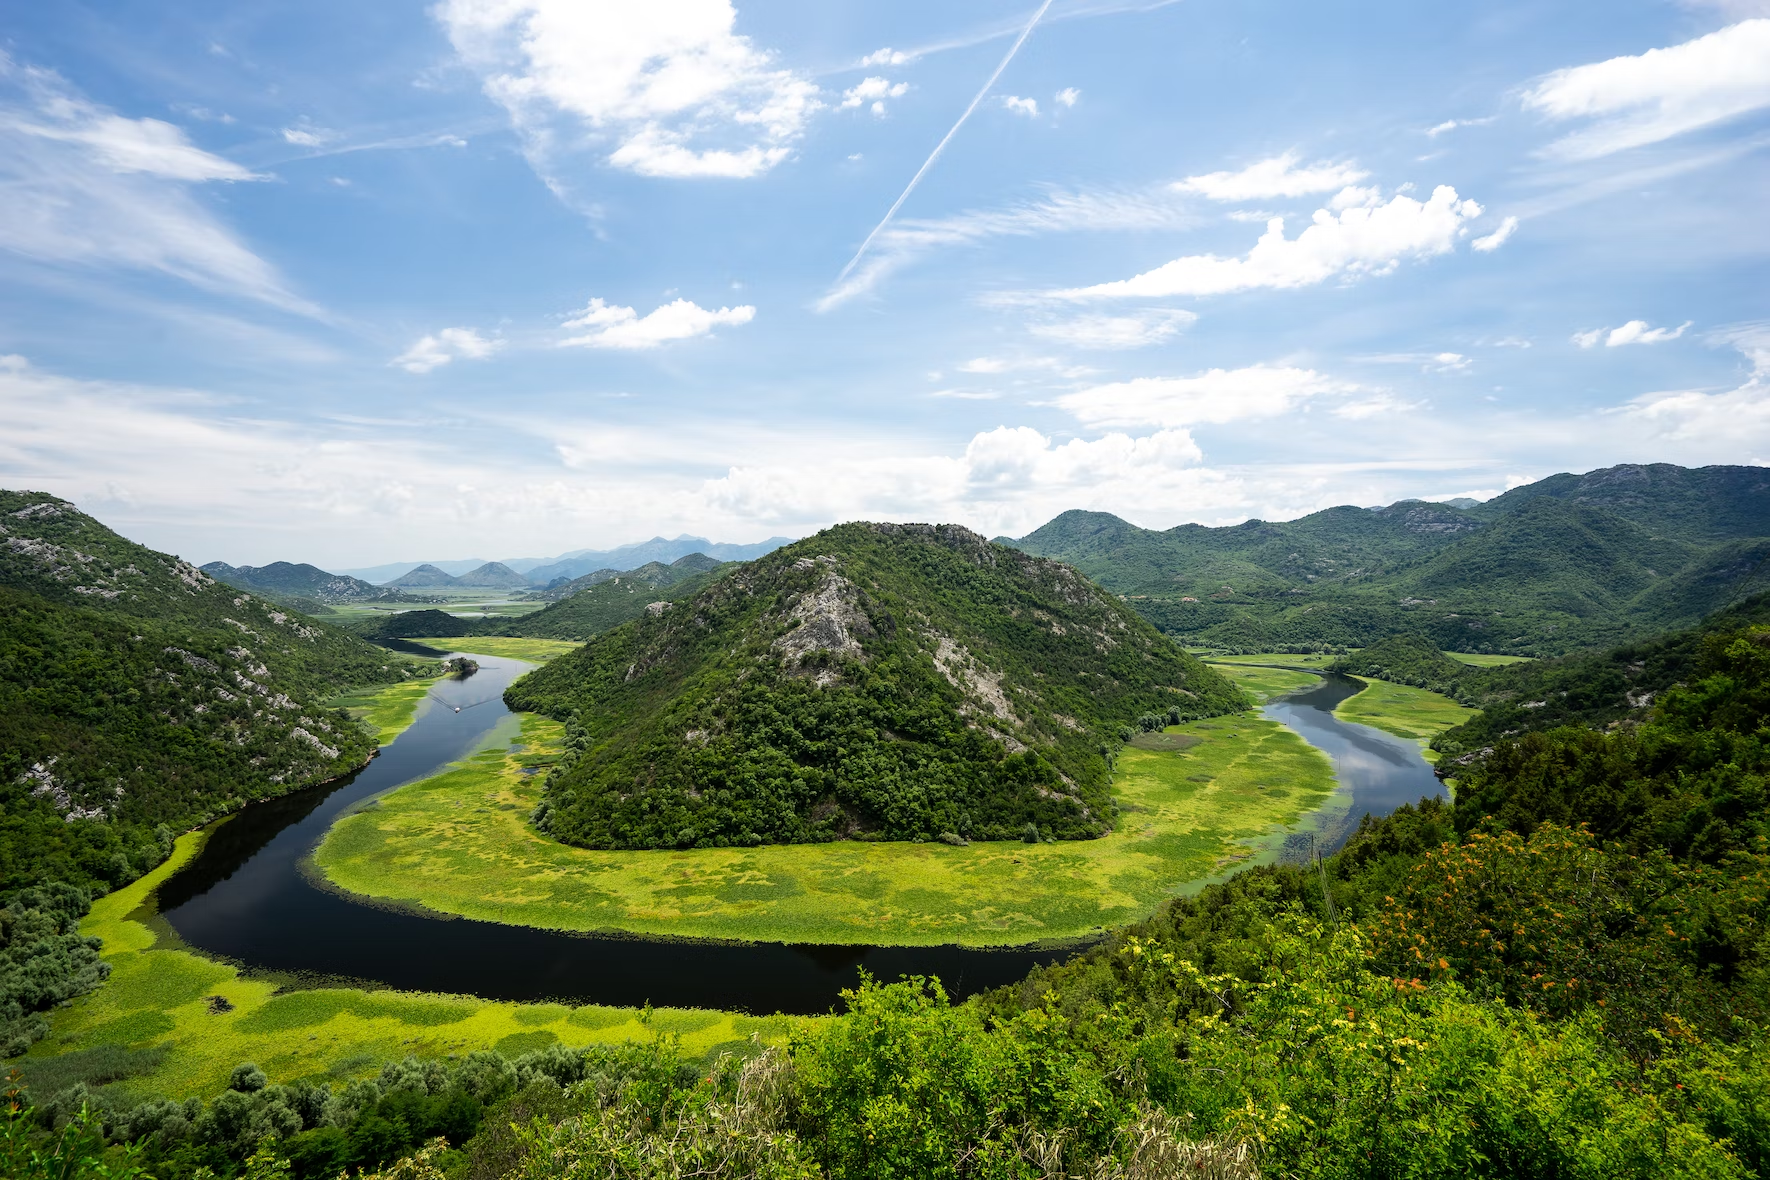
(350, 283)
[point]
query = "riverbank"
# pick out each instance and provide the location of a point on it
(187, 1020)
(459, 843)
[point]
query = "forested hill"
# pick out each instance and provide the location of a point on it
(1568, 562)
(597, 604)
(876, 680)
(139, 697)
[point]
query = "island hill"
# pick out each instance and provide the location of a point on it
(875, 681)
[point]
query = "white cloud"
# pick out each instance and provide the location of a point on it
(624, 328)
(1497, 238)
(308, 135)
(1358, 241)
(1453, 124)
(1653, 96)
(885, 57)
(1137, 329)
(668, 83)
(1381, 406)
(904, 241)
(1276, 177)
(87, 187)
(433, 352)
(873, 91)
(1021, 106)
(1633, 332)
(1216, 396)
(1429, 362)
(1068, 96)
(1729, 422)
(984, 364)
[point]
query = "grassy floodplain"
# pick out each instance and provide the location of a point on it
(1263, 682)
(535, 651)
(1411, 713)
(460, 843)
(158, 999)
(389, 711)
(1476, 660)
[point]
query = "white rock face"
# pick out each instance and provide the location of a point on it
(829, 619)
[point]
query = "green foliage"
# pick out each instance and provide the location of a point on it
(44, 961)
(607, 603)
(875, 680)
(139, 698)
(75, 1152)
(1405, 659)
(1573, 561)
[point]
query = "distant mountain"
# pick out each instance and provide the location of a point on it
(875, 681)
(423, 576)
(627, 557)
(382, 574)
(1569, 562)
(653, 573)
(282, 579)
(493, 576)
(140, 697)
(540, 571)
(609, 602)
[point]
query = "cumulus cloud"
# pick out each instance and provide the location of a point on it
(666, 86)
(885, 57)
(622, 327)
(435, 351)
(1356, 241)
(1633, 332)
(1277, 177)
(873, 92)
(88, 187)
(1653, 96)
(1021, 106)
(1215, 396)
(1497, 238)
(1068, 96)
(1136, 329)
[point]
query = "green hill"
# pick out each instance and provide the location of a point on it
(139, 698)
(876, 680)
(286, 580)
(1569, 562)
(611, 601)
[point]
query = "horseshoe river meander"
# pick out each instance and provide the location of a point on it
(246, 897)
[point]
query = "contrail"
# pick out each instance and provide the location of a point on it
(941, 146)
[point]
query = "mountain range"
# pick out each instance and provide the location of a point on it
(1567, 562)
(540, 571)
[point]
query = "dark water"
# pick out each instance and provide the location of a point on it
(246, 898)
(1378, 772)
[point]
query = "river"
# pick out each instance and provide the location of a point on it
(247, 896)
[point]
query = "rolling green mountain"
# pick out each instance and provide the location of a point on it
(1571, 561)
(423, 576)
(876, 680)
(139, 697)
(284, 581)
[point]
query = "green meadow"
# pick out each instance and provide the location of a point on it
(1264, 682)
(1411, 713)
(387, 710)
(459, 843)
(169, 1001)
(535, 651)
(1475, 660)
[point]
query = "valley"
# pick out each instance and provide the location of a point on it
(704, 810)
